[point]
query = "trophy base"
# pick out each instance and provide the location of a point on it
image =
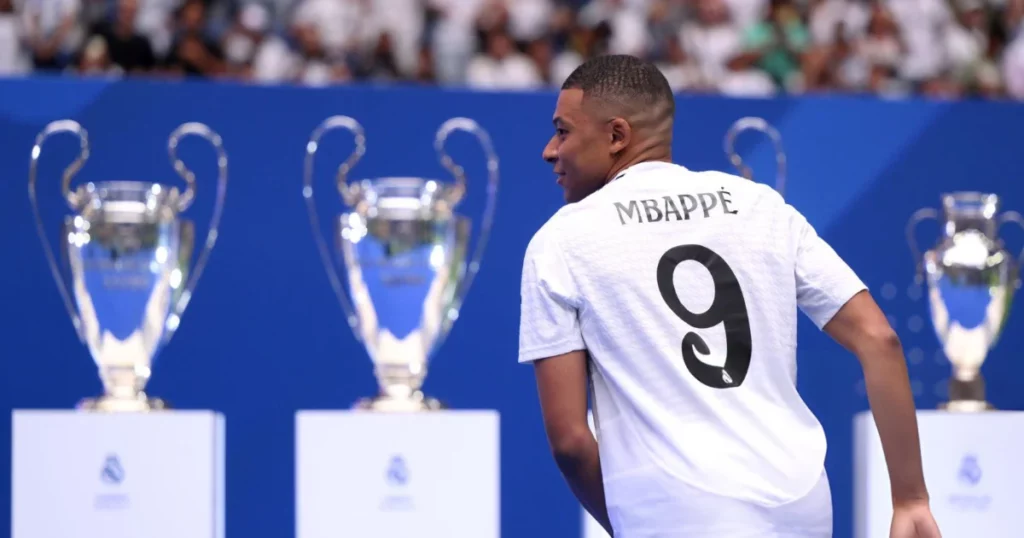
(107, 404)
(386, 404)
(966, 406)
(966, 397)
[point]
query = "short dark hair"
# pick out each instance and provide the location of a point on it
(624, 79)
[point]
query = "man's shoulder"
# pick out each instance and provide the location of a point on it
(740, 183)
(569, 225)
(761, 198)
(727, 179)
(548, 235)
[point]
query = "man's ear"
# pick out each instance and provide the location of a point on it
(620, 133)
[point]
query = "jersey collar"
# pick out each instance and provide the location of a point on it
(646, 166)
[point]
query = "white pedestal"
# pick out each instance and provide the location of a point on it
(430, 475)
(591, 528)
(972, 467)
(97, 475)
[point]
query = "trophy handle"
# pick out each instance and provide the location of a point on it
(757, 124)
(348, 194)
(199, 129)
(72, 198)
(472, 127)
(919, 216)
(1016, 218)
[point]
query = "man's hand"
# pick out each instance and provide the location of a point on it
(913, 520)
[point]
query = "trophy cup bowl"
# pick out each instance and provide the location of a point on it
(970, 280)
(126, 252)
(405, 254)
(404, 260)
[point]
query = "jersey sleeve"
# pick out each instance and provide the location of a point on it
(824, 282)
(548, 321)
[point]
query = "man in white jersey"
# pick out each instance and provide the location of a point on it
(675, 294)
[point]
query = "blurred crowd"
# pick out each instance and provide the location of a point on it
(938, 48)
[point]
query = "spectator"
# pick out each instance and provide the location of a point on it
(777, 45)
(971, 43)
(454, 39)
(53, 32)
(580, 42)
(13, 59)
(501, 67)
(715, 42)
(831, 21)
(1013, 67)
(317, 66)
(155, 21)
(528, 20)
(123, 46)
(95, 59)
(627, 22)
(922, 25)
(403, 21)
(832, 63)
(193, 52)
(880, 53)
(254, 52)
(337, 24)
(380, 63)
(681, 71)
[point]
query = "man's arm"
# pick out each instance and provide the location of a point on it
(562, 386)
(862, 328)
(832, 295)
(550, 337)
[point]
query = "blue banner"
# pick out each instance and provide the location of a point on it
(264, 335)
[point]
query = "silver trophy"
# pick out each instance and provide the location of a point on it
(126, 251)
(404, 251)
(971, 280)
(757, 124)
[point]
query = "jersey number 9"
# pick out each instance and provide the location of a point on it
(727, 307)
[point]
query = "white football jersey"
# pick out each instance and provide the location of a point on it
(684, 288)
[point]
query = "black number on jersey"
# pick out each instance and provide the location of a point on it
(727, 307)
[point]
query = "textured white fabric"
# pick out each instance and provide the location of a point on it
(591, 281)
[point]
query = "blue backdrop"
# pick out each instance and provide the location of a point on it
(264, 335)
